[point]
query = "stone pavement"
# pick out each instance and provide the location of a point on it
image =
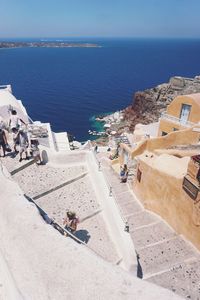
(165, 258)
(78, 196)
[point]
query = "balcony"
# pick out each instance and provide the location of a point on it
(175, 120)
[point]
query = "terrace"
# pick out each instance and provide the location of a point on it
(177, 121)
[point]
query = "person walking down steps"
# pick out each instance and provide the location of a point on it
(15, 134)
(3, 141)
(23, 144)
(35, 151)
(124, 173)
(15, 121)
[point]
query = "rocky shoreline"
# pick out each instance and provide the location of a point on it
(148, 105)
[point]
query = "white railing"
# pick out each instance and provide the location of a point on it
(175, 120)
(111, 192)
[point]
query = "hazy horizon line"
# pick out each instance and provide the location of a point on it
(100, 37)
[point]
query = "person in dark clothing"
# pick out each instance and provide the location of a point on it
(3, 141)
(124, 173)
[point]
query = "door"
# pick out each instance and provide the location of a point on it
(185, 111)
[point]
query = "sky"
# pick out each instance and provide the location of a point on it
(100, 18)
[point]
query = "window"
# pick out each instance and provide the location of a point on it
(198, 176)
(164, 133)
(185, 111)
(191, 189)
(139, 175)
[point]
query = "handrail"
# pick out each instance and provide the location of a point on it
(54, 140)
(177, 120)
(115, 199)
(30, 120)
(58, 227)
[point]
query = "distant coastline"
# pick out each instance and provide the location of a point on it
(47, 45)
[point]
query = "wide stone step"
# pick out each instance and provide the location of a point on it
(113, 178)
(151, 234)
(126, 197)
(141, 219)
(11, 161)
(183, 279)
(36, 180)
(130, 208)
(163, 256)
(21, 166)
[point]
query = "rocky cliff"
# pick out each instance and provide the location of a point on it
(148, 105)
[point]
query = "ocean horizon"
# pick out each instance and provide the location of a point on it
(69, 86)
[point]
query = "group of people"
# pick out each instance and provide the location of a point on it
(20, 140)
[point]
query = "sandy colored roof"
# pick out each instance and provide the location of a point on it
(173, 166)
(195, 97)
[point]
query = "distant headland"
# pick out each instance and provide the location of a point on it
(47, 45)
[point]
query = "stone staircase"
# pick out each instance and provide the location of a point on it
(165, 258)
(61, 140)
(55, 189)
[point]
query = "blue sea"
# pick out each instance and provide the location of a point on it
(68, 86)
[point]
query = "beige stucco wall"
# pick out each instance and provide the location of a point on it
(144, 131)
(174, 109)
(183, 137)
(160, 190)
(168, 126)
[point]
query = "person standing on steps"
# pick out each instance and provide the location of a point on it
(95, 149)
(36, 151)
(3, 141)
(15, 121)
(15, 139)
(23, 144)
(124, 173)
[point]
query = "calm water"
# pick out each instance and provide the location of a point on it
(68, 86)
